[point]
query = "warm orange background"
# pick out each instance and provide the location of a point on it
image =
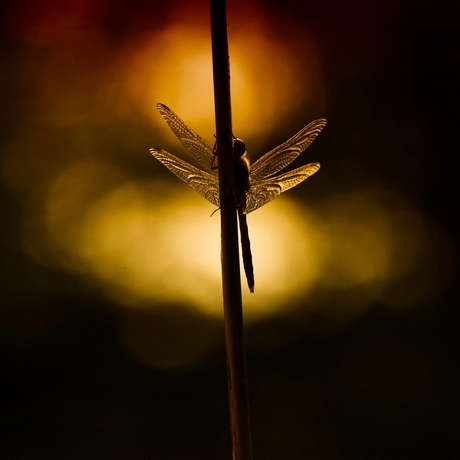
(111, 311)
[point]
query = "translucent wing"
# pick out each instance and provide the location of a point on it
(284, 154)
(207, 185)
(200, 149)
(263, 191)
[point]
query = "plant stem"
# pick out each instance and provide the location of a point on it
(231, 280)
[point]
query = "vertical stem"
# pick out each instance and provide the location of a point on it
(231, 280)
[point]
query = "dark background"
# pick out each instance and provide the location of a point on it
(382, 386)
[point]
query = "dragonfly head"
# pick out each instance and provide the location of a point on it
(239, 147)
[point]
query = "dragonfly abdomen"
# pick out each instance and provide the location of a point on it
(246, 249)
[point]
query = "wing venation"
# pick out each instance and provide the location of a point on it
(207, 185)
(263, 191)
(196, 146)
(286, 153)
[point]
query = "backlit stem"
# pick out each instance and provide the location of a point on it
(231, 280)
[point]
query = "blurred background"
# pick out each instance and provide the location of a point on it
(111, 335)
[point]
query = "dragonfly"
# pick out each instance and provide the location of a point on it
(255, 185)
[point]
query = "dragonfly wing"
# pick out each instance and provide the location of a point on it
(199, 148)
(286, 153)
(207, 185)
(263, 191)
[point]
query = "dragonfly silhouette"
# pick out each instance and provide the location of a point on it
(254, 184)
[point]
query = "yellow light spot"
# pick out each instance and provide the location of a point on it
(152, 243)
(268, 82)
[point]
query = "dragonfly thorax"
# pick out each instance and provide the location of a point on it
(239, 147)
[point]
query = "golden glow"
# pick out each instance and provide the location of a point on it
(174, 66)
(130, 238)
(148, 243)
(374, 242)
(151, 245)
(285, 255)
(360, 240)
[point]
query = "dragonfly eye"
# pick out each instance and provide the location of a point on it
(239, 147)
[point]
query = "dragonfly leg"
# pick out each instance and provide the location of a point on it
(214, 152)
